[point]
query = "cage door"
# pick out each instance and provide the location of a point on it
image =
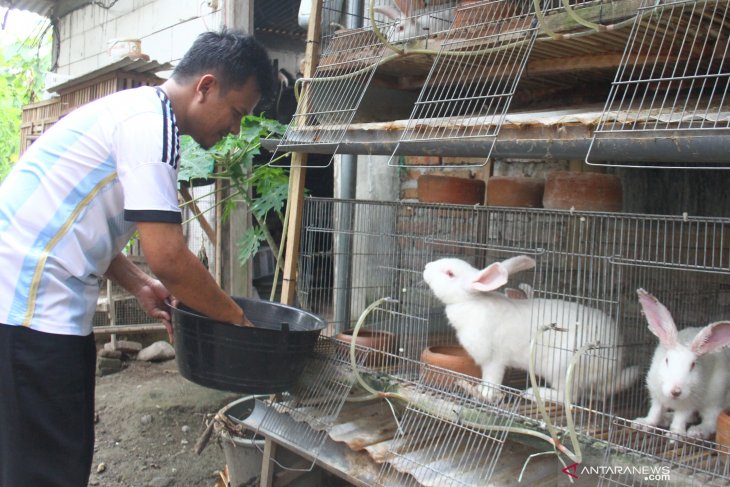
(329, 100)
(478, 65)
(672, 80)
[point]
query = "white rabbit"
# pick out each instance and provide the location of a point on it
(496, 330)
(407, 25)
(684, 374)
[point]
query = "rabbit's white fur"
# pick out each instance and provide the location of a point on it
(407, 25)
(496, 330)
(685, 375)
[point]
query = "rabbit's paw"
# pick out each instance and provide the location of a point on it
(546, 394)
(470, 389)
(675, 436)
(644, 423)
(700, 432)
(490, 394)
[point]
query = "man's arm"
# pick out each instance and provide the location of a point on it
(183, 274)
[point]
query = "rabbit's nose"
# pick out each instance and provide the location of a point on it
(676, 392)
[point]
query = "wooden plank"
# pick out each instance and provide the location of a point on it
(604, 12)
(297, 172)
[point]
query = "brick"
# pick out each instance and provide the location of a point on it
(423, 160)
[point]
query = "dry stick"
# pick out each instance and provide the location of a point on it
(198, 214)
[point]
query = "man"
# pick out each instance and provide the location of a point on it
(67, 209)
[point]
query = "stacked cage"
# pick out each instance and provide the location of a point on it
(588, 267)
(573, 383)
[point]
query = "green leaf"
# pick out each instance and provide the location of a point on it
(233, 158)
(249, 244)
(195, 162)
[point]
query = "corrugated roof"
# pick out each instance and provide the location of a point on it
(125, 64)
(278, 17)
(40, 7)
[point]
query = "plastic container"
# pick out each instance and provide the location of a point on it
(264, 359)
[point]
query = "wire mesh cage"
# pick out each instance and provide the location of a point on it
(446, 437)
(475, 73)
(673, 76)
(316, 400)
(588, 342)
(330, 99)
(649, 457)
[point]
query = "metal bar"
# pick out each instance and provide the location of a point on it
(710, 151)
(122, 329)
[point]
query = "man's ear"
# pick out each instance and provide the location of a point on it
(205, 84)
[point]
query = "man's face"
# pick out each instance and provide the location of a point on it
(214, 116)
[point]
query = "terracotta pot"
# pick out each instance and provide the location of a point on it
(583, 191)
(378, 341)
(515, 191)
(722, 437)
(450, 189)
(450, 357)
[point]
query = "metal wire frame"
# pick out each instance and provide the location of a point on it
(444, 435)
(648, 457)
(596, 260)
(474, 75)
(673, 77)
(316, 399)
(329, 101)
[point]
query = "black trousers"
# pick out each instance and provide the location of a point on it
(46, 408)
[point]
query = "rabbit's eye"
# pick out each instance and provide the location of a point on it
(666, 360)
(692, 366)
(449, 273)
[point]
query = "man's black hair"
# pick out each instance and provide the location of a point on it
(232, 56)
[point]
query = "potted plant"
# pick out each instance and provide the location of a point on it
(262, 188)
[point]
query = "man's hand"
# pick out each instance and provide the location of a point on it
(154, 298)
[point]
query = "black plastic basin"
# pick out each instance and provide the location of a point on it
(265, 359)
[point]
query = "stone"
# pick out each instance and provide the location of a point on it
(107, 366)
(158, 351)
(104, 352)
(128, 346)
(161, 482)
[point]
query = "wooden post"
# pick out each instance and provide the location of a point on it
(298, 169)
(296, 198)
(267, 465)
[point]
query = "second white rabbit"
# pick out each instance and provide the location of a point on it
(689, 372)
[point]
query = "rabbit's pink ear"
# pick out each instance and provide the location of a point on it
(518, 263)
(491, 278)
(711, 338)
(659, 318)
(405, 6)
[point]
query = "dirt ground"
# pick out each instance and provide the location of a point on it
(149, 420)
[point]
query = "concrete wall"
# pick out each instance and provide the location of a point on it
(166, 28)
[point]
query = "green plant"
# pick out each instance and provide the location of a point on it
(263, 189)
(22, 65)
